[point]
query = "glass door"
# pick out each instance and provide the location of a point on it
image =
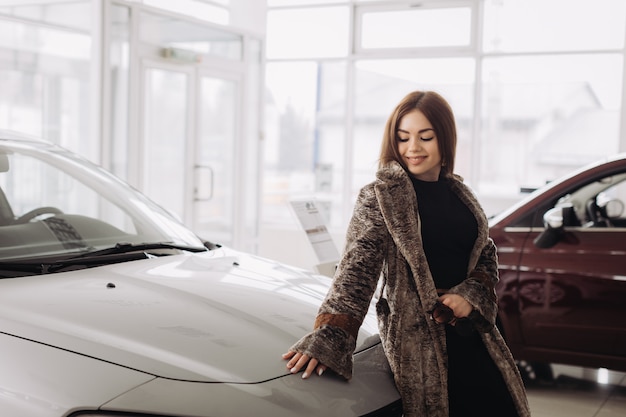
(214, 198)
(166, 135)
(192, 93)
(189, 147)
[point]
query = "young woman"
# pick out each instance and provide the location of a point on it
(422, 230)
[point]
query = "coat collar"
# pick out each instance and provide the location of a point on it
(398, 204)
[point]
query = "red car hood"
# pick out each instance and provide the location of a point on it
(217, 317)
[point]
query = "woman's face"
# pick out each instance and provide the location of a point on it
(418, 146)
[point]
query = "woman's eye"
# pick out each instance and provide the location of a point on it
(427, 139)
(402, 139)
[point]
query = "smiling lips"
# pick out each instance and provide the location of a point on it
(415, 160)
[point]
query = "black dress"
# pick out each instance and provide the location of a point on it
(449, 231)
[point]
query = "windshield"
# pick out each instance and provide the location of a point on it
(55, 203)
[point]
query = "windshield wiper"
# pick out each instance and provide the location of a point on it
(121, 252)
(49, 266)
(129, 247)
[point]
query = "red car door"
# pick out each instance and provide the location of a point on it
(572, 296)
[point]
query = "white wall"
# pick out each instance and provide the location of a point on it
(249, 15)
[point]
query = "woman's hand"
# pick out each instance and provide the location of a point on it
(459, 305)
(297, 361)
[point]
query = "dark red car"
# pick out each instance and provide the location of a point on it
(562, 255)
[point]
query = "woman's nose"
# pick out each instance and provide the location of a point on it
(414, 144)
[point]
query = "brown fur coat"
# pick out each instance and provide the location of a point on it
(384, 238)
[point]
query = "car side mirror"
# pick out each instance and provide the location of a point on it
(554, 221)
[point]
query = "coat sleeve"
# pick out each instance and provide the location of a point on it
(479, 288)
(333, 339)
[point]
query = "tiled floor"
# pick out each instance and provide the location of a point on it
(579, 392)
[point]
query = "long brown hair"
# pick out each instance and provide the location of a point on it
(439, 114)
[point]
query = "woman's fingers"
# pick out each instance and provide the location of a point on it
(288, 355)
(298, 361)
(310, 368)
(458, 304)
(293, 358)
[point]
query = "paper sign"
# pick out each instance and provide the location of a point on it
(314, 226)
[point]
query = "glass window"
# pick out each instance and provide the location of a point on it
(544, 116)
(45, 84)
(305, 138)
(416, 27)
(44, 40)
(119, 60)
(74, 14)
(20, 104)
(565, 25)
(308, 33)
(187, 41)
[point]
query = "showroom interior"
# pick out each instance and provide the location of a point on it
(254, 120)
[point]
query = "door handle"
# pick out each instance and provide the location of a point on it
(203, 183)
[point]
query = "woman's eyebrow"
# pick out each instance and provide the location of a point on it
(419, 131)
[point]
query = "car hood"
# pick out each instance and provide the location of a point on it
(220, 316)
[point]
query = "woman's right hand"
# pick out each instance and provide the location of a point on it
(297, 361)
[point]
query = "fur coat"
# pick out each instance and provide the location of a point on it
(384, 239)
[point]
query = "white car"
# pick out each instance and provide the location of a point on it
(111, 307)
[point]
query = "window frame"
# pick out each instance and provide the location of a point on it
(362, 9)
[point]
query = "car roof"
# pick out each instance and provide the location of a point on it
(8, 134)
